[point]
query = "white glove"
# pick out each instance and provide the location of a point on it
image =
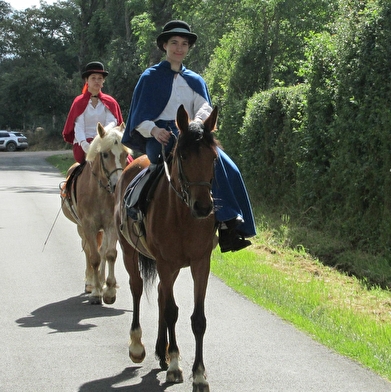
(85, 146)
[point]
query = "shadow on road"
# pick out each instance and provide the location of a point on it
(67, 315)
(149, 383)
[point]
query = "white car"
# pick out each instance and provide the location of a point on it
(12, 141)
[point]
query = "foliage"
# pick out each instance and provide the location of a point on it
(274, 132)
(267, 55)
(330, 166)
(361, 165)
(303, 89)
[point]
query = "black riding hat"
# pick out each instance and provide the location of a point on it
(175, 27)
(94, 67)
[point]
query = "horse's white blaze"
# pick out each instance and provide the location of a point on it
(117, 159)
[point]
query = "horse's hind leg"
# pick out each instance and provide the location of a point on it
(102, 248)
(130, 256)
(162, 341)
(200, 273)
(168, 354)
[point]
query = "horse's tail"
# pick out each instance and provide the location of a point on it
(147, 268)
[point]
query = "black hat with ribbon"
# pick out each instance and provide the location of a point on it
(172, 28)
(94, 67)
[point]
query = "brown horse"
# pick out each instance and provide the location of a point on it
(91, 207)
(179, 232)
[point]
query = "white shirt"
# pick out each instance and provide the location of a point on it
(196, 106)
(85, 124)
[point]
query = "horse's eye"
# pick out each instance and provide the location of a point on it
(105, 155)
(183, 157)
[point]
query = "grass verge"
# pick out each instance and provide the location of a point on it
(62, 162)
(337, 310)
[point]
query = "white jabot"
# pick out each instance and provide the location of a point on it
(196, 106)
(85, 124)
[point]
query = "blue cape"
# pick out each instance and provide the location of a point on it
(150, 97)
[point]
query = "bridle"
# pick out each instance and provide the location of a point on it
(110, 188)
(184, 183)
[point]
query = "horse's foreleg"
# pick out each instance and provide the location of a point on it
(168, 316)
(200, 273)
(110, 289)
(130, 256)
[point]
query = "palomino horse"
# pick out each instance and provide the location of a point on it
(91, 207)
(179, 232)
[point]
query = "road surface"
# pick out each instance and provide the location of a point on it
(53, 340)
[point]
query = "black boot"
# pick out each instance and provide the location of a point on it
(230, 239)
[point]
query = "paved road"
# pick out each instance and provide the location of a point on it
(53, 340)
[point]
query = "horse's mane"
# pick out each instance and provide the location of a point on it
(111, 140)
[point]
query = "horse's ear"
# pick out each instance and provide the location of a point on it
(101, 130)
(182, 118)
(210, 122)
(122, 127)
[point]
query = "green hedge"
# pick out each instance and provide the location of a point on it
(322, 150)
(272, 142)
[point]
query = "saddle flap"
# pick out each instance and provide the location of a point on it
(140, 190)
(71, 180)
(135, 187)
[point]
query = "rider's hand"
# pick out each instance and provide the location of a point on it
(161, 135)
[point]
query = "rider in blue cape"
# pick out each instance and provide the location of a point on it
(159, 92)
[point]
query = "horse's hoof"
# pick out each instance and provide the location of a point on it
(200, 387)
(109, 300)
(137, 358)
(174, 376)
(95, 300)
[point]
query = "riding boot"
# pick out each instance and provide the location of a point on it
(230, 239)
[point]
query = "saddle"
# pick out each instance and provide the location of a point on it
(140, 192)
